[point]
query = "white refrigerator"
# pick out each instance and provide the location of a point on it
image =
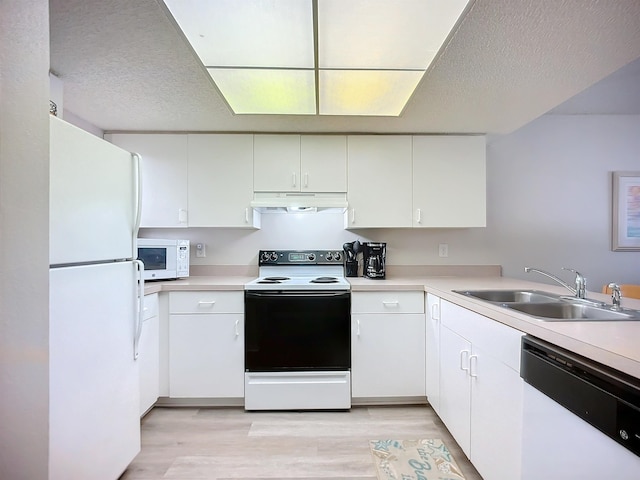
(96, 294)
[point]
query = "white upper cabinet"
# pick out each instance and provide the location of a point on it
(164, 176)
(449, 181)
(300, 163)
(221, 181)
(276, 163)
(379, 181)
(323, 163)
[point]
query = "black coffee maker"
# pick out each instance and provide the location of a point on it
(374, 257)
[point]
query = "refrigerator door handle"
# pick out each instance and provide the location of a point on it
(138, 194)
(140, 313)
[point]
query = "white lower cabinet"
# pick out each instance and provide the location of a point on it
(387, 344)
(432, 347)
(206, 344)
(481, 390)
(149, 358)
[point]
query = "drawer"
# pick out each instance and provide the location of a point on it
(387, 302)
(206, 302)
(150, 307)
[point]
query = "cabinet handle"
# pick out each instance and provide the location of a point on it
(236, 327)
(393, 304)
(464, 359)
(473, 362)
(419, 215)
(182, 215)
(293, 179)
(306, 180)
(358, 328)
(204, 303)
(435, 312)
(246, 215)
(353, 215)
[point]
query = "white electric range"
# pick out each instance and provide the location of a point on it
(298, 332)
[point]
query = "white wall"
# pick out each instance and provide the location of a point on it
(24, 234)
(324, 231)
(549, 196)
(548, 202)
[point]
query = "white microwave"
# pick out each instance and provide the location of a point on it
(164, 259)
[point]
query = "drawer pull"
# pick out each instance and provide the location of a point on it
(393, 304)
(464, 359)
(203, 303)
(473, 366)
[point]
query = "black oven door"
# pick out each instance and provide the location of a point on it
(297, 331)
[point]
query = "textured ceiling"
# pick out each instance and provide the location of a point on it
(126, 67)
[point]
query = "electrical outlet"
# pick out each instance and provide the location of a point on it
(443, 250)
(201, 250)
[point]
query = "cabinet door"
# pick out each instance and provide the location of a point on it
(387, 355)
(221, 181)
(496, 416)
(164, 176)
(379, 181)
(149, 363)
(455, 388)
(449, 181)
(276, 163)
(206, 356)
(323, 163)
(432, 367)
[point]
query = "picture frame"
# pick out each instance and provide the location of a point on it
(626, 212)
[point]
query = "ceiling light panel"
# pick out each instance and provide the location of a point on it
(248, 33)
(264, 91)
(400, 34)
(366, 92)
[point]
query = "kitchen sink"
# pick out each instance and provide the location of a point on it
(550, 307)
(508, 296)
(568, 311)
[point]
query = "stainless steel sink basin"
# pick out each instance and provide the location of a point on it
(550, 307)
(509, 296)
(567, 311)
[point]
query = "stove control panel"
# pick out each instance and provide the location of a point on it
(299, 257)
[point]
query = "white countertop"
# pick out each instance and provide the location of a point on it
(616, 344)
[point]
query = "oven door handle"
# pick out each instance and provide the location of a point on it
(297, 294)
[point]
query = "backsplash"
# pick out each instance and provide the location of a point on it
(326, 230)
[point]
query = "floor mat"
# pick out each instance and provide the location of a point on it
(414, 460)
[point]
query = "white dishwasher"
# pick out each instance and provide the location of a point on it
(581, 419)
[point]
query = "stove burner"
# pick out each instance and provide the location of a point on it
(276, 279)
(268, 281)
(325, 280)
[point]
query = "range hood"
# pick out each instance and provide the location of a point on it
(280, 202)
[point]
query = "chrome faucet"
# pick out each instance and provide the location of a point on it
(580, 288)
(616, 295)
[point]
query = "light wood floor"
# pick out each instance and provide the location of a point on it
(229, 443)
